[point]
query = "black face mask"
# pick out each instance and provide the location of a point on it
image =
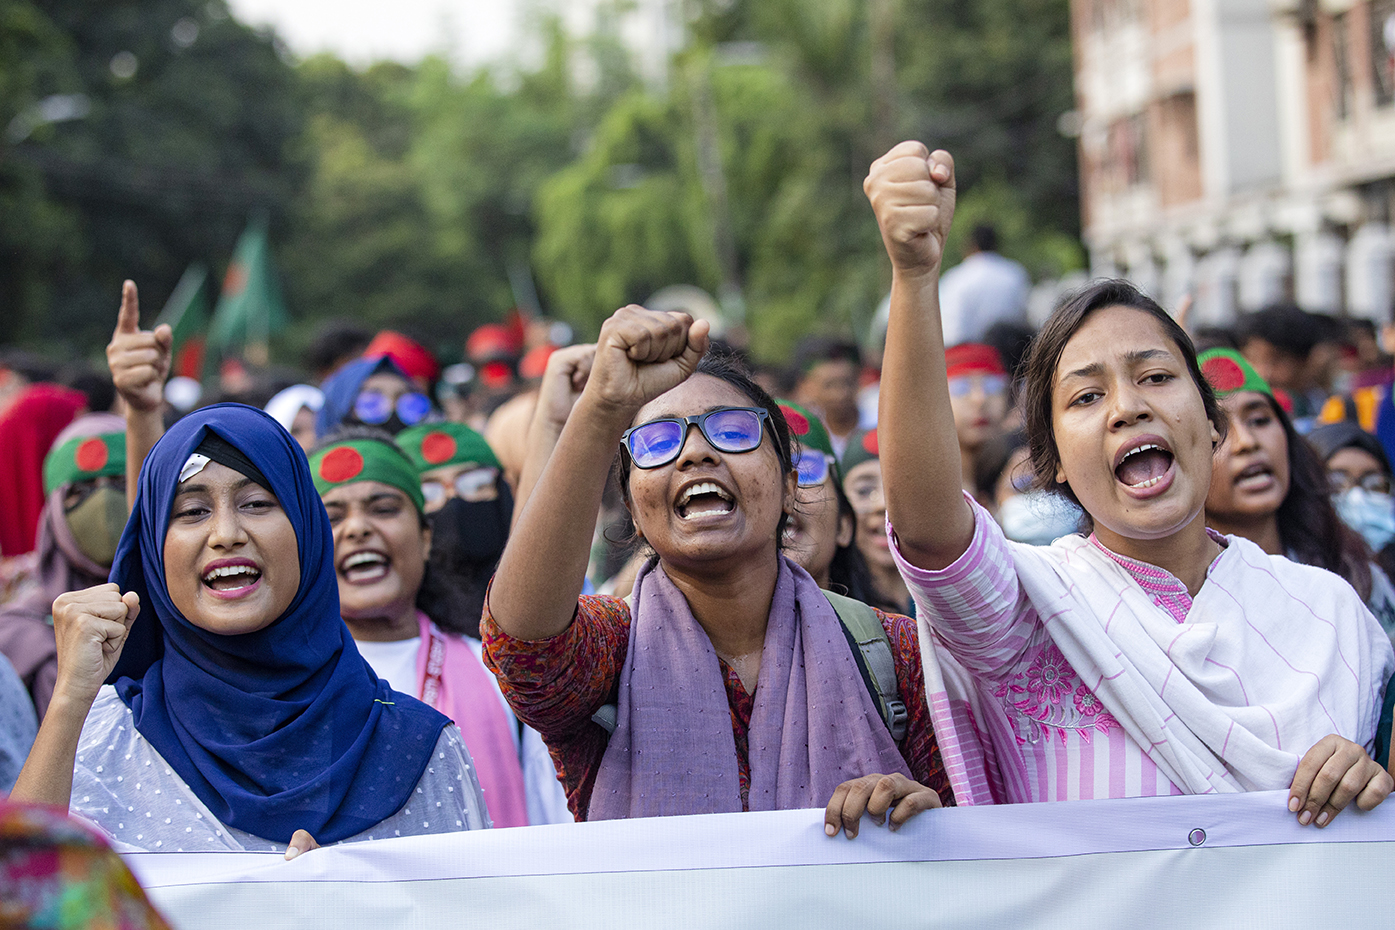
(473, 533)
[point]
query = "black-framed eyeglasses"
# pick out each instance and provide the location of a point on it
(375, 408)
(812, 466)
(726, 429)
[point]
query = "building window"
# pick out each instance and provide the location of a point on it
(1126, 153)
(1341, 66)
(1383, 50)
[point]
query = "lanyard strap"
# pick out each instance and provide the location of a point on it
(435, 665)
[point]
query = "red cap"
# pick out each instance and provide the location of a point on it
(535, 362)
(491, 341)
(973, 358)
(415, 360)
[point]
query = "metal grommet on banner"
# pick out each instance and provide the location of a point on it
(1196, 837)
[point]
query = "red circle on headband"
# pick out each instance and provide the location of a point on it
(869, 442)
(91, 455)
(341, 464)
(1225, 374)
(438, 447)
(799, 424)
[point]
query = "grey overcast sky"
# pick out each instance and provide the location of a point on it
(360, 31)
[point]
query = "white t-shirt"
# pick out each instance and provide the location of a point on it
(394, 662)
(983, 289)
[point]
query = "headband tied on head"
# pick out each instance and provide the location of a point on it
(809, 431)
(1228, 372)
(862, 447)
(83, 458)
(354, 460)
(436, 445)
(973, 358)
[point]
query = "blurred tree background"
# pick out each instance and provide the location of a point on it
(136, 138)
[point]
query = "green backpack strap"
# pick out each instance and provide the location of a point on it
(871, 649)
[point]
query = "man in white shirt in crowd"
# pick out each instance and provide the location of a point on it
(985, 288)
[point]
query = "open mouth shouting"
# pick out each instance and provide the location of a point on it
(1254, 478)
(231, 578)
(702, 499)
(1145, 466)
(366, 566)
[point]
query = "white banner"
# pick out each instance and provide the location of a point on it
(1237, 860)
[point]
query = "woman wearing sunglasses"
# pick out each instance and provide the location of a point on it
(371, 391)
(821, 532)
(733, 685)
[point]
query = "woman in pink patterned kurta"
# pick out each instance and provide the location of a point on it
(1151, 656)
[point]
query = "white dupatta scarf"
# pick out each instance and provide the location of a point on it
(1272, 657)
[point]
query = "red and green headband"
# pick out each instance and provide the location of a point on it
(1227, 372)
(809, 431)
(862, 447)
(436, 445)
(365, 460)
(83, 458)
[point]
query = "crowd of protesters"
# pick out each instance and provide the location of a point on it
(641, 577)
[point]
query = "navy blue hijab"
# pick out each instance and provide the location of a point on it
(283, 729)
(342, 388)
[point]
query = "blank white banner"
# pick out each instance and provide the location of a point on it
(1237, 860)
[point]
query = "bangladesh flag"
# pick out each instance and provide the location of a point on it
(187, 313)
(251, 309)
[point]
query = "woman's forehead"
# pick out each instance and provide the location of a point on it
(1112, 336)
(696, 395)
(361, 491)
(212, 477)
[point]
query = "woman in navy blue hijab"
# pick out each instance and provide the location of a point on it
(237, 712)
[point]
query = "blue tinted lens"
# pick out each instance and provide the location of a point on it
(653, 444)
(372, 407)
(413, 408)
(733, 430)
(812, 466)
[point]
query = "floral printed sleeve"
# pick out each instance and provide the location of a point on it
(555, 685)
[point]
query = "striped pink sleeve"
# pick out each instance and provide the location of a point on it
(975, 605)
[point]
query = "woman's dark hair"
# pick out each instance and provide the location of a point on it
(1045, 354)
(729, 368)
(1309, 528)
(848, 573)
(454, 599)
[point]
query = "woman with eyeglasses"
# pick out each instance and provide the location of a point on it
(978, 396)
(1269, 486)
(862, 482)
(371, 391)
(725, 681)
(821, 534)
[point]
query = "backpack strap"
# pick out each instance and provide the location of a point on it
(871, 649)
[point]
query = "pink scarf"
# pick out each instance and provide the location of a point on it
(467, 694)
(813, 725)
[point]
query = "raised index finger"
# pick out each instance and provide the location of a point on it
(128, 317)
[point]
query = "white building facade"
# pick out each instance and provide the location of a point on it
(1242, 151)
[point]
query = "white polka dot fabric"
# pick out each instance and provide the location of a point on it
(124, 787)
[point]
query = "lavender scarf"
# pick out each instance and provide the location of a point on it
(813, 725)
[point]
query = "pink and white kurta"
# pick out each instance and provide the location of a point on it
(1065, 672)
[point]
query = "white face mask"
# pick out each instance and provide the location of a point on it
(1370, 513)
(1038, 518)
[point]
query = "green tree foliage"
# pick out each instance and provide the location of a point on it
(190, 115)
(428, 199)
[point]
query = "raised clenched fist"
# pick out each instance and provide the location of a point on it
(912, 193)
(643, 353)
(91, 626)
